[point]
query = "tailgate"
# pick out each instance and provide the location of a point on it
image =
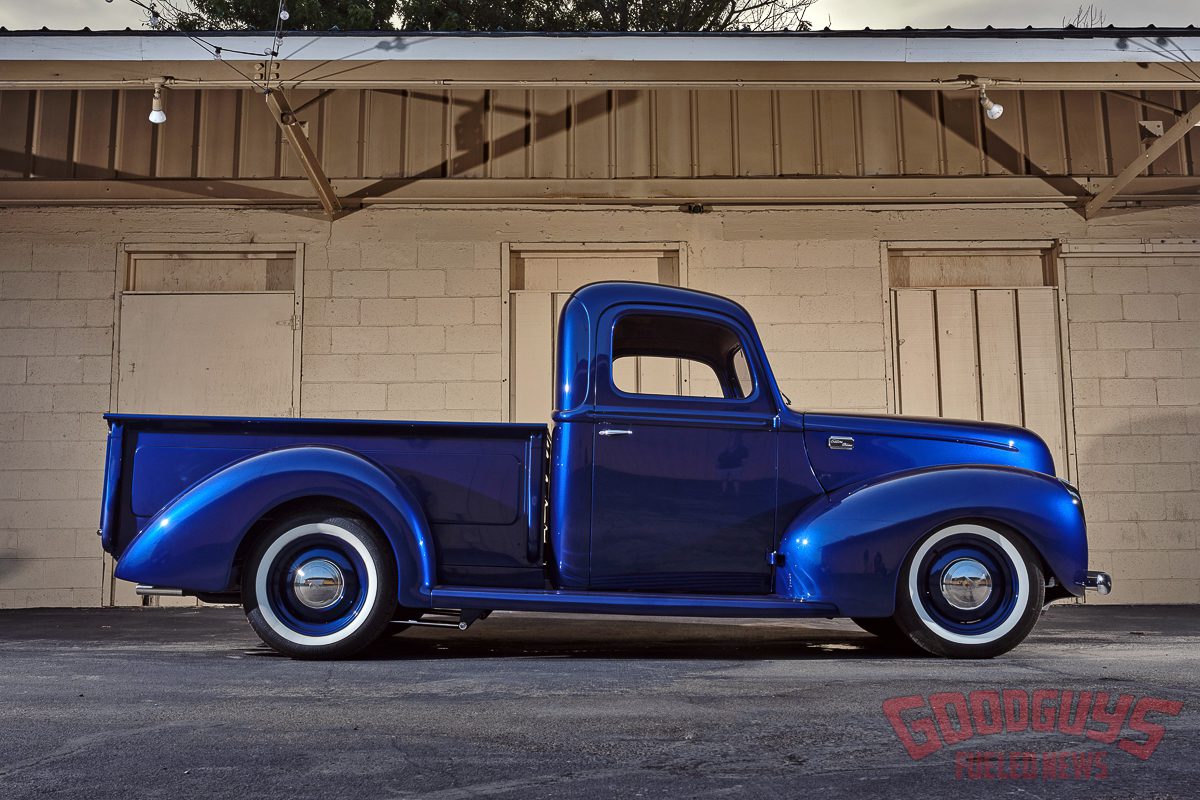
(112, 479)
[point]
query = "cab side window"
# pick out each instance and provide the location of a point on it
(677, 356)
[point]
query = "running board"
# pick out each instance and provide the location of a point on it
(466, 618)
(587, 602)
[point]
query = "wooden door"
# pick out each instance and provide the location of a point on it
(222, 354)
(207, 330)
(542, 281)
(982, 353)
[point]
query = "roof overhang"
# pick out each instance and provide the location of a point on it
(1100, 59)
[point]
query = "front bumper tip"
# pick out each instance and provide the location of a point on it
(1101, 582)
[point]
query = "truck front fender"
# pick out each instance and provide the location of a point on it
(191, 544)
(848, 548)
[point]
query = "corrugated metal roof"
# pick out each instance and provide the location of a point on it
(1040, 45)
(586, 134)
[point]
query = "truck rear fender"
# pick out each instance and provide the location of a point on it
(848, 548)
(193, 543)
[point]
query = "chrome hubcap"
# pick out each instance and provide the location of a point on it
(966, 584)
(318, 583)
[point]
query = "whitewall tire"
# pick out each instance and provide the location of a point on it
(319, 585)
(970, 590)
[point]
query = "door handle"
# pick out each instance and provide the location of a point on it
(615, 432)
(841, 442)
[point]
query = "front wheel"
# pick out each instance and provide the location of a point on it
(319, 585)
(970, 590)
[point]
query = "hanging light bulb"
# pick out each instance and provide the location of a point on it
(284, 15)
(157, 115)
(991, 109)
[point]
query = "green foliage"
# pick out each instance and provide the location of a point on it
(603, 15)
(311, 15)
(489, 15)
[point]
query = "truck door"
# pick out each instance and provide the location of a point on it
(685, 474)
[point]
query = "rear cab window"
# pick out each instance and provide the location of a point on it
(669, 355)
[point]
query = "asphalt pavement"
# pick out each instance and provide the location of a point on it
(186, 703)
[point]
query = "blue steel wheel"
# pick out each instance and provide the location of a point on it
(970, 590)
(318, 585)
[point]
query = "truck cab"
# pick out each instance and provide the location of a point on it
(671, 487)
(678, 481)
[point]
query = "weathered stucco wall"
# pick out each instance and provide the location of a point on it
(402, 318)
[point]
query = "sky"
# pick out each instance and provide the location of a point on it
(841, 14)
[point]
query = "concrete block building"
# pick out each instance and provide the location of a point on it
(390, 231)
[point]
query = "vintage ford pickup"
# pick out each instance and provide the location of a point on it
(950, 536)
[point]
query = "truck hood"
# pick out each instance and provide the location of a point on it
(882, 445)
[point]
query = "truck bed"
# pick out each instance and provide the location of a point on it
(481, 485)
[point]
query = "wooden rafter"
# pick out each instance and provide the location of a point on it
(353, 192)
(1159, 146)
(286, 117)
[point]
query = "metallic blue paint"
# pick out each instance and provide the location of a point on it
(192, 542)
(569, 532)
(586, 341)
(685, 502)
(847, 549)
(884, 445)
(159, 472)
(574, 358)
(108, 498)
(600, 602)
(684, 507)
(711, 506)
(475, 483)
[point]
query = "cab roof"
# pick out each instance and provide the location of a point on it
(599, 297)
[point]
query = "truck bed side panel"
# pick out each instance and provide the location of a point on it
(480, 487)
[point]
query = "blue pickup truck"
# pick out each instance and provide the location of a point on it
(720, 502)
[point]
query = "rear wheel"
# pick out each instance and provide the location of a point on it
(319, 585)
(970, 590)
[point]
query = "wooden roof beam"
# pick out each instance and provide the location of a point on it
(678, 192)
(286, 117)
(1148, 156)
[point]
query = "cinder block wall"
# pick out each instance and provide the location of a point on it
(414, 330)
(56, 320)
(1135, 340)
(403, 330)
(818, 306)
(402, 320)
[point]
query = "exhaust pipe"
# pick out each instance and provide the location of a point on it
(157, 591)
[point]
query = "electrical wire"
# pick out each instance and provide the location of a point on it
(154, 19)
(276, 41)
